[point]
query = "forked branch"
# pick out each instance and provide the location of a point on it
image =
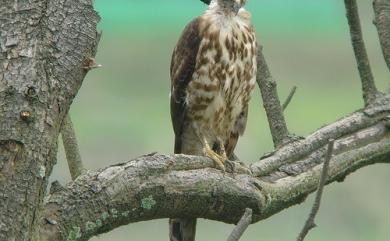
(162, 186)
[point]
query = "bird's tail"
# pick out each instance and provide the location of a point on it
(182, 229)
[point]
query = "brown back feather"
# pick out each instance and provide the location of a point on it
(182, 68)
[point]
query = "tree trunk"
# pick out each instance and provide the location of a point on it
(44, 45)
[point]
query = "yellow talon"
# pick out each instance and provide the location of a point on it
(219, 160)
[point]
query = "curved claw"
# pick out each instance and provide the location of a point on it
(218, 159)
(231, 165)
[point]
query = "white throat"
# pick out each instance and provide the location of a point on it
(217, 8)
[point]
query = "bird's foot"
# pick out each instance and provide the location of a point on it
(230, 166)
(219, 160)
(241, 167)
(237, 167)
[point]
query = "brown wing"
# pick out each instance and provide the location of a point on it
(182, 68)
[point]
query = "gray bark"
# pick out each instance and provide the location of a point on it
(177, 186)
(366, 77)
(271, 102)
(43, 45)
(45, 51)
(382, 22)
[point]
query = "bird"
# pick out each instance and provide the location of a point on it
(213, 69)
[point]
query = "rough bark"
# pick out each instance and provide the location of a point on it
(43, 45)
(162, 186)
(46, 48)
(382, 23)
(271, 102)
(366, 77)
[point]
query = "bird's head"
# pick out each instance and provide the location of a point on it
(227, 5)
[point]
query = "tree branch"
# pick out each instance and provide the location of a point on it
(310, 224)
(309, 146)
(271, 102)
(241, 226)
(289, 98)
(382, 23)
(71, 147)
(162, 186)
(368, 85)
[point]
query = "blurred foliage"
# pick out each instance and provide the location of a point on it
(122, 110)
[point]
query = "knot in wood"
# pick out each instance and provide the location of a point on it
(25, 115)
(31, 92)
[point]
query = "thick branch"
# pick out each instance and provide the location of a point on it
(366, 77)
(310, 147)
(161, 186)
(382, 23)
(71, 147)
(271, 102)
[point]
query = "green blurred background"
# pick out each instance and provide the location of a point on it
(122, 109)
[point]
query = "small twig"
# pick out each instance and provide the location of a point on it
(271, 102)
(90, 63)
(368, 85)
(289, 98)
(71, 148)
(310, 224)
(241, 226)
